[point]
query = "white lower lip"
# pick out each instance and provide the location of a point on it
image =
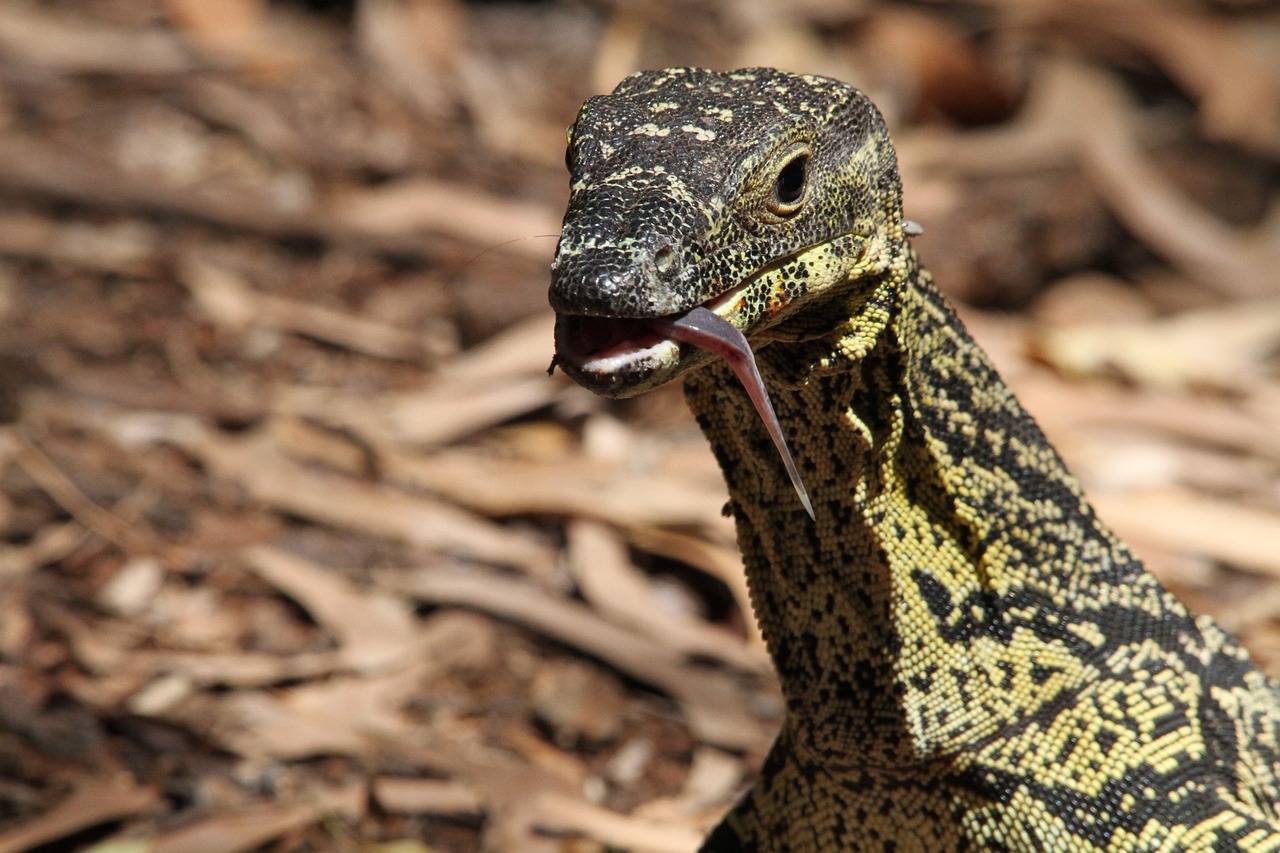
(726, 305)
(620, 358)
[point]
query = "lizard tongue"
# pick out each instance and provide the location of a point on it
(707, 330)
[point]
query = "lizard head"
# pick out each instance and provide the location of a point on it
(751, 193)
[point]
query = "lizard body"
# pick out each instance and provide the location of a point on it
(970, 659)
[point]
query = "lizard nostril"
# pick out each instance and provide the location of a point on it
(664, 259)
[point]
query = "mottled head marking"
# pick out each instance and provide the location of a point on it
(673, 174)
(751, 194)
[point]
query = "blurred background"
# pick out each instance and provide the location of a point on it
(302, 550)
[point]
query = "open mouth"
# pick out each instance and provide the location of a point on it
(617, 356)
(603, 338)
(601, 346)
(628, 355)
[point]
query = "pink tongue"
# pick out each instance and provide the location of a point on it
(707, 330)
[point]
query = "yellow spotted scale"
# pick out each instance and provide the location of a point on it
(971, 660)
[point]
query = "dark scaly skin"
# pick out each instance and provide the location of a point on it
(970, 659)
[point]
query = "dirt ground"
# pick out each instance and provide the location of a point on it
(302, 550)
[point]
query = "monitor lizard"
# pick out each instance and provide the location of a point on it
(970, 659)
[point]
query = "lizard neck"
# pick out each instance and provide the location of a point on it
(945, 521)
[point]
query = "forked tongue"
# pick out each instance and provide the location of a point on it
(707, 330)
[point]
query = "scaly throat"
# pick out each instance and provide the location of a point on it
(898, 566)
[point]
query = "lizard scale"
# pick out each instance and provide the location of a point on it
(971, 660)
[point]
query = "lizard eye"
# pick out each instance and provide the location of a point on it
(568, 157)
(788, 191)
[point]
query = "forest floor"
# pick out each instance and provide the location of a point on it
(302, 550)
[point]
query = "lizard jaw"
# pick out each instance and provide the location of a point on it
(614, 357)
(625, 356)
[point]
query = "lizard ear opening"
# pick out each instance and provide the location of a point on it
(789, 188)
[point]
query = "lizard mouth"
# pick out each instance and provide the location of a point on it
(616, 356)
(610, 339)
(626, 356)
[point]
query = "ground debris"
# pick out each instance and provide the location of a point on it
(302, 550)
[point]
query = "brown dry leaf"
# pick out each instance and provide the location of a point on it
(100, 646)
(33, 167)
(503, 781)
(578, 702)
(619, 49)
(716, 559)
(1077, 113)
(90, 380)
(61, 488)
(1231, 66)
(523, 349)
(231, 31)
(333, 449)
(51, 543)
(500, 379)
(405, 845)
(447, 637)
(255, 461)
(1089, 297)
(579, 487)
(454, 210)
(1263, 643)
(258, 119)
(558, 813)
(17, 623)
(1242, 102)
(400, 795)
(331, 499)
(375, 630)
(1263, 404)
(619, 591)
(237, 832)
(943, 69)
(716, 705)
(1236, 534)
(714, 778)
(556, 762)
(122, 845)
(1173, 352)
(124, 248)
(1251, 614)
(230, 301)
(1239, 263)
(1042, 136)
(223, 23)
(1067, 409)
(1116, 460)
(230, 669)
(93, 800)
(779, 35)
(431, 416)
(391, 217)
(52, 42)
(413, 45)
(341, 716)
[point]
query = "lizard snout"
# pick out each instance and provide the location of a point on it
(630, 279)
